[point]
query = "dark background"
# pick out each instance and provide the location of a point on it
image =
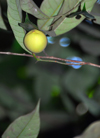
(62, 89)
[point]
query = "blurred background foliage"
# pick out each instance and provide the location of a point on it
(70, 98)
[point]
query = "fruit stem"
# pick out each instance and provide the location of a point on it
(38, 59)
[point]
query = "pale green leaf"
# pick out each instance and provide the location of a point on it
(15, 16)
(63, 24)
(51, 8)
(30, 7)
(26, 126)
(2, 24)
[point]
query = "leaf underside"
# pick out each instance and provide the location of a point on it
(26, 126)
(14, 13)
(30, 7)
(64, 24)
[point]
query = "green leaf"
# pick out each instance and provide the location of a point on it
(15, 16)
(66, 24)
(2, 24)
(63, 24)
(50, 8)
(26, 126)
(30, 7)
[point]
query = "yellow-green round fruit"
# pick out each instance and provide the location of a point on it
(35, 41)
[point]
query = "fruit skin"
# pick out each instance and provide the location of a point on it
(35, 41)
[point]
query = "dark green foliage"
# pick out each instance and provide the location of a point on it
(61, 88)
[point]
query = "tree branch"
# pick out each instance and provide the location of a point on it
(52, 59)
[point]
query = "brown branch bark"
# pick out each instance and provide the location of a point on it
(53, 59)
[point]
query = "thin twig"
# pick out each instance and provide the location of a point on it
(53, 59)
(67, 60)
